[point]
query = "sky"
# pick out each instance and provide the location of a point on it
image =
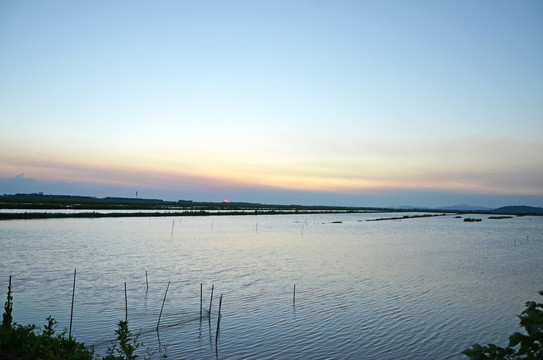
(376, 103)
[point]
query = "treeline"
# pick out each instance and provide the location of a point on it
(40, 201)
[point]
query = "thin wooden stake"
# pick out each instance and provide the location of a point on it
(218, 319)
(211, 300)
(146, 282)
(294, 295)
(72, 311)
(125, 304)
(201, 299)
(163, 301)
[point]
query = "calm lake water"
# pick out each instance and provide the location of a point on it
(422, 288)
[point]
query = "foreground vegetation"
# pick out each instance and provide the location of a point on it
(19, 342)
(527, 346)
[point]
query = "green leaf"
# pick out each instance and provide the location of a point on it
(516, 339)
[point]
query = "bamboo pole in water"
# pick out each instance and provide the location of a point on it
(201, 301)
(294, 295)
(125, 304)
(219, 319)
(146, 282)
(72, 311)
(211, 300)
(163, 301)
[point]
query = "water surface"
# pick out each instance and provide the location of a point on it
(422, 288)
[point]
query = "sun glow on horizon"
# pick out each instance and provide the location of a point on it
(299, 175)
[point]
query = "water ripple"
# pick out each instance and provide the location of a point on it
(377, 290)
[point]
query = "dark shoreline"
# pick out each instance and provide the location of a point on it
(94, 215)
(91, 207)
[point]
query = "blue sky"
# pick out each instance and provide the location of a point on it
(314, 99)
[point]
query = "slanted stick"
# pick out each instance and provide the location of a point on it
(219, 319)
(163, 301)
(125, 304)
(72, 311)
(211, 300)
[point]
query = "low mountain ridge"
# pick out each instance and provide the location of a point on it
(519, 210)
(464, 207)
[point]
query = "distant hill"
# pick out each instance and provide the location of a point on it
(458, 207)
(464, 207)
(519, 210)
(407, 207)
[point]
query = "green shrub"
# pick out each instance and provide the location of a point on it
(128, 343)
(527, 346)
(7, 319)
(25, 343)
